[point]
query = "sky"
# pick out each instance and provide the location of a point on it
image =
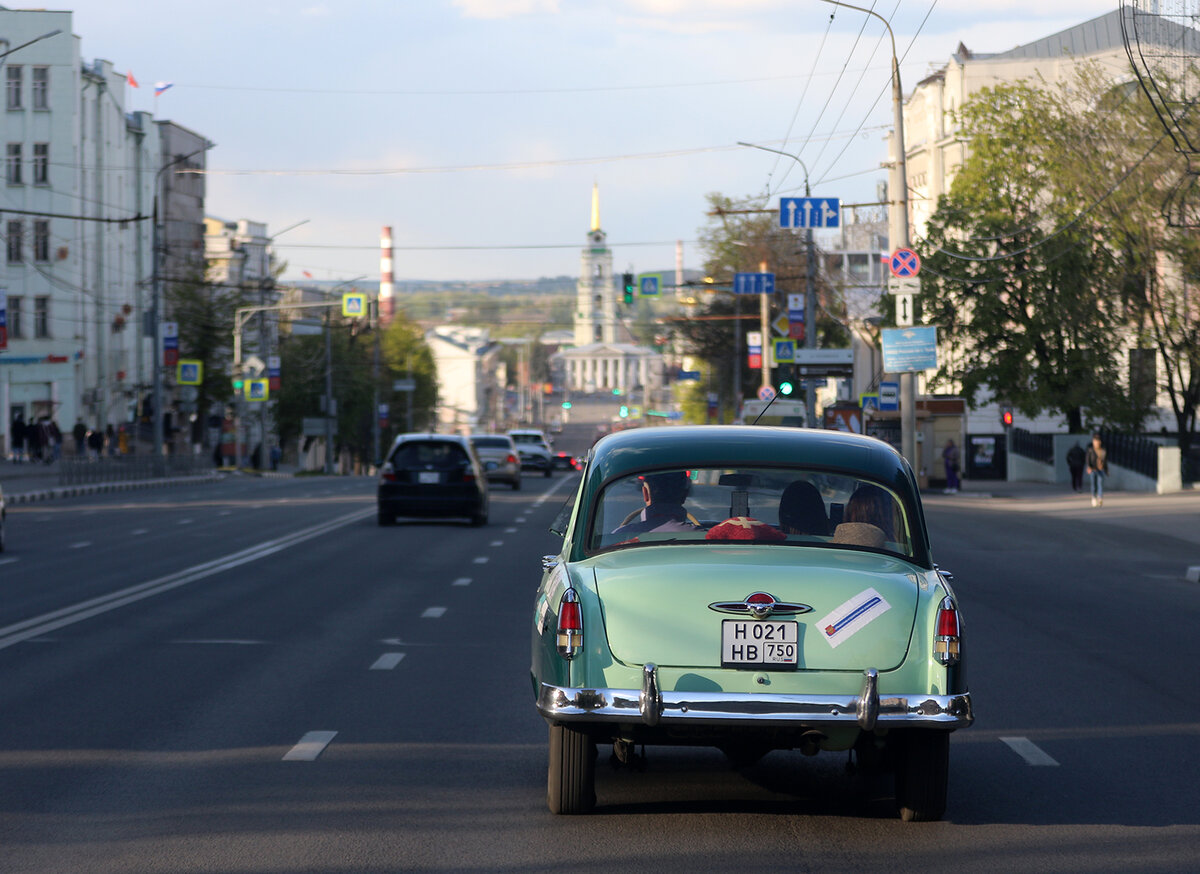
(477, 128)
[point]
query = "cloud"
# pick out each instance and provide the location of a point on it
(505, 8)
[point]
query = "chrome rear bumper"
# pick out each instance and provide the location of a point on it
(651, 706)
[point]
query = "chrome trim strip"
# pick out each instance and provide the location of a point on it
(564, 704)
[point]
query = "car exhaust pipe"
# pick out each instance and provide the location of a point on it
(810, 742)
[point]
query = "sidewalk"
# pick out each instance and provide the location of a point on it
(34, 481)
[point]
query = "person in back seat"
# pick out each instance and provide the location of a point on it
(802, 510)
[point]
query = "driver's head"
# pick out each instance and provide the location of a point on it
(666, 488)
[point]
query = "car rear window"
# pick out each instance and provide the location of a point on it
(440, 455)
(790, 506)
(490, 442)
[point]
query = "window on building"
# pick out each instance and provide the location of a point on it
(41, 163)
(12, 164)
(13, 232)
(41, 240)
(40, 87)
(15, 307)
(13, 80)
(41, 317)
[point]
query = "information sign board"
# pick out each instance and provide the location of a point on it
(909, 349)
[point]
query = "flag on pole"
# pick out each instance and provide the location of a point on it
(307, 275)
(160, 87)
(132, 81)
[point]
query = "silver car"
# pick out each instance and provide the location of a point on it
(498, 455)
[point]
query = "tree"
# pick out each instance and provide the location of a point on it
(1011, 278)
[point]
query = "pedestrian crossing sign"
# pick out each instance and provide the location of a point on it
(258, 389)
(189, 371)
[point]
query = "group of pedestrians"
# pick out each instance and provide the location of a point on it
(35, 441)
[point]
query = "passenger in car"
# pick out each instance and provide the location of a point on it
(664, 494)
(870, 507)
(802, 510)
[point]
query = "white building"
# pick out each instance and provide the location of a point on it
(78, 200)
(469, 394)
(605, 358)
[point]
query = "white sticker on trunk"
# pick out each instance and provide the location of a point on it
(852, 617)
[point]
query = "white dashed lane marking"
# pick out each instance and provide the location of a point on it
(310, 746)
(462, 581)
(480, 559)
(433, 613)
(510, 530)
(138, 532)
(496, 543)
(82, 544)
(1029, 751)
(387, 661)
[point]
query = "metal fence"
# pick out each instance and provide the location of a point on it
(1132, 452)
(128, 468)
(1038, 447)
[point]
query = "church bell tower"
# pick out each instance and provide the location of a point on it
(595, 306)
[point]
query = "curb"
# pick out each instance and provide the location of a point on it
(98, 488)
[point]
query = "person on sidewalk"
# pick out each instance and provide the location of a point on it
(1076, 459)
(1097, 466)
(950, 460)
(17, 438)
(80, 432)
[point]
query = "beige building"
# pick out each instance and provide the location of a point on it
(468, 371)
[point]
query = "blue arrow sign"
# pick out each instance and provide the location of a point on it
(754, 283)
(809, 212)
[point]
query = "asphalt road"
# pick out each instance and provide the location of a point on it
(251, 676)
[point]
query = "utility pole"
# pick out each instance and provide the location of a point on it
(330, 408)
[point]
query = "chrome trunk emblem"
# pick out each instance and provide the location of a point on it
(760, 605)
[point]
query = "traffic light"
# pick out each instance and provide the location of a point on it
(785, 387)
(566, 405)
(238, 382)
(624, 411)
(1006, 417)
(627, 281)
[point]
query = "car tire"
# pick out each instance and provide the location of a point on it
(386, 519)
(516, 484)
(571, 777)
(922, 774)
(549, 471)
(479, 519)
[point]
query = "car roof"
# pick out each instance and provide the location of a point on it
(428, 436)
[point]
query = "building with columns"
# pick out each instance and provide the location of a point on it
(604, 357)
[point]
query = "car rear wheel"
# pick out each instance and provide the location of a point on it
(922, 774)
(549, 470)
(571, 778)
(479, 519)
(516, 484)
(386, 518)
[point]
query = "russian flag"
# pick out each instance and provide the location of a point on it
(160, 87)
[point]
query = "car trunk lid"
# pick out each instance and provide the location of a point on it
(656, 603)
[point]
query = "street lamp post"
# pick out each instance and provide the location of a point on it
(810, 292)
(898, 231)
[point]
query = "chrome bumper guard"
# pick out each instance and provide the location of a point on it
(651, 706)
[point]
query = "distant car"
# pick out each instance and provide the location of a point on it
(498, 455)
(751, 589)
(533, 449)
(564, 461)
(435, 475)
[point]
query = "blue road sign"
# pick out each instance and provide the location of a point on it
(754, 283)
(909, 349)
(888, 398)
(905, 263)
(688, 375)
(649, 286)
(809, 212)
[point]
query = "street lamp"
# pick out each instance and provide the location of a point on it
(157, 246)
(810, 292)
(8, 52)
(898, 231)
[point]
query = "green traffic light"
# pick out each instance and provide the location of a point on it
(785, 388)
(624, 411)
(566, 405)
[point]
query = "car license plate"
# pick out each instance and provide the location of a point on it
(491, 465)
(428, 476)
(759, 643)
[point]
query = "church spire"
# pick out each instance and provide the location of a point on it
(595, 207)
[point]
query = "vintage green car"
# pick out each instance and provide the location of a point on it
(750, 589)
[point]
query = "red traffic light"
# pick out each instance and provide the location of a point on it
(1006, 417)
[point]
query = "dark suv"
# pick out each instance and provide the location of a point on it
(432, 475)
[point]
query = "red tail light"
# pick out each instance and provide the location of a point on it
(387, 474)
(570, 625)
(946, 640)
(512, 459)
(468, 475)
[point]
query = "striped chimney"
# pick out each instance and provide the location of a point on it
(386, 288)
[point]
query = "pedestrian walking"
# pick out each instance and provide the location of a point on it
(1076, 459)
(34, 432)
(80, 432)
(110, 439)
(17, 438)
(1097, 466)
(56, 441)
(950, 460)
(95, 442)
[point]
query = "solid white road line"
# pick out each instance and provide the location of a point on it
(311, 745)
(1029, 751)
(433, 613)
(40, 625)
(387, 661)
(462, 581)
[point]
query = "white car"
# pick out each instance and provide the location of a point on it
(533, 448)
(498, 455)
